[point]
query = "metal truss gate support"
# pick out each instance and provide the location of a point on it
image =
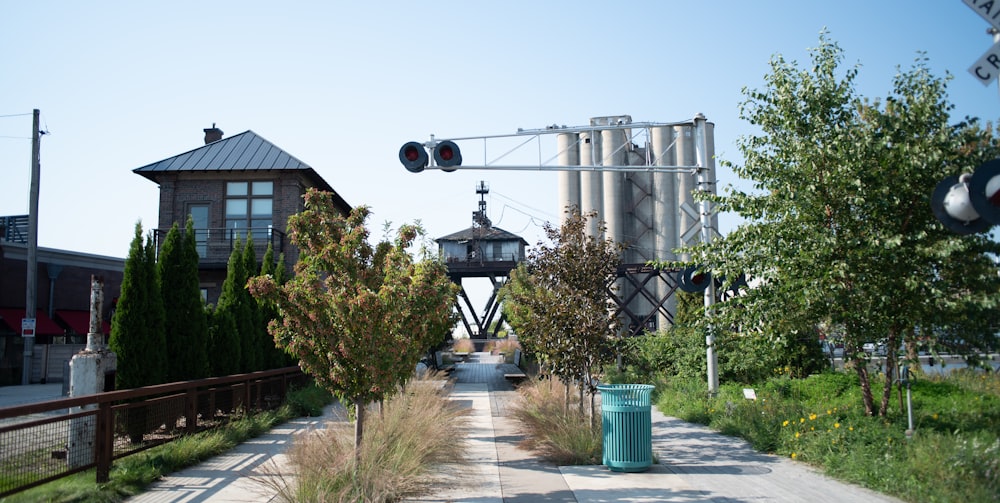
(489, 313)
(657, 286)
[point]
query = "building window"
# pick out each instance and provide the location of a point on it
(199, 216)
(249, 205)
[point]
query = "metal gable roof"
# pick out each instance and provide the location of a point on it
(482, 234)
(246, 151)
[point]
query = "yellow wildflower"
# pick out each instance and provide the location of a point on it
(784, 423)
(836, 425)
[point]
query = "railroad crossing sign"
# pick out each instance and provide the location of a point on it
(987, 67)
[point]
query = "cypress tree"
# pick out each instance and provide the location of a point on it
(234, 299)
(198, 316)
(167, 266)
(186, 325)
(258, 331)
(140, 360)
(156, 315)
(224, 343)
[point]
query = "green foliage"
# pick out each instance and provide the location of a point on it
(137, 331)
(236, 301)
(839, 232)
(224, 343)
(309, 401)
(273, 356)
(358, 317)
(252, 328)
(953, 455)
(558, 304)
(186, 323)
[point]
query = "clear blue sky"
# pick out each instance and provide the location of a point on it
(341, 85)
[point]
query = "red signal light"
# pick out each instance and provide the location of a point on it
(413, 156)
(447, 155)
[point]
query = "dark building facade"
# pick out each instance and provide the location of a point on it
(62, 301)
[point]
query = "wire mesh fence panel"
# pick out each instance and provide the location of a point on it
(37, 449)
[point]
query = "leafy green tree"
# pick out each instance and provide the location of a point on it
(137, 335)
(558, 303)
(358, 317)
(185, 321)
(839, 230)
(273, 356)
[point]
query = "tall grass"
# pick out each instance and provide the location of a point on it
(414, 432)
(954, 454)
(463, 345)
(553, 426)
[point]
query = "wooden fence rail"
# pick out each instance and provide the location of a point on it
(44, 441)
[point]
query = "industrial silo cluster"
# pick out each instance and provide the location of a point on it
(652, 212)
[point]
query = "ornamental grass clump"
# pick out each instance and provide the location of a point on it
(413, 434)
(553, 426)
(463, 345)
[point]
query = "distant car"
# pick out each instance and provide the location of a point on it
(874, 349)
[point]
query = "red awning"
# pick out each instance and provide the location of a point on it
(79, 321)
(12, 316)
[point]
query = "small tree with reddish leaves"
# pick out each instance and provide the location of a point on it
(357, 317)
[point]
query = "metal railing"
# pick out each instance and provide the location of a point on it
(45, 441)
(14, 228)
(216, 244)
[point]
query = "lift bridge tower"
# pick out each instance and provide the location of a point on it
(481, 251)
(640, 178)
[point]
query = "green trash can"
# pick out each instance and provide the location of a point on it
(627, 427)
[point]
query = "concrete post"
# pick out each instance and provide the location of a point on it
(88, 369)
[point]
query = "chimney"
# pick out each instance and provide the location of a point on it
(212, 134)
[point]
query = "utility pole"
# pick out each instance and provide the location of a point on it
(31, 289)
(705, 215)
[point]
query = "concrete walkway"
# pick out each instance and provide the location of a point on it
(695, 463)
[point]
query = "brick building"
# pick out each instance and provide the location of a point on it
(233, 187)
(62, 301)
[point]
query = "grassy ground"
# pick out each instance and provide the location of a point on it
(130, 475)
(954, 454)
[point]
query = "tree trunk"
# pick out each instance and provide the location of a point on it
(861, 366)
(890, 369)
(359, 429)
(566, 399)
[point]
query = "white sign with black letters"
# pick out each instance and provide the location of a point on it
(987, 9)
(986, 69)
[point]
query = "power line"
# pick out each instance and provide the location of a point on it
(15, 115)
(543, 212)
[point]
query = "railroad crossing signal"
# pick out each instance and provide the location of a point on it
(415, 158)
(969, 204)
